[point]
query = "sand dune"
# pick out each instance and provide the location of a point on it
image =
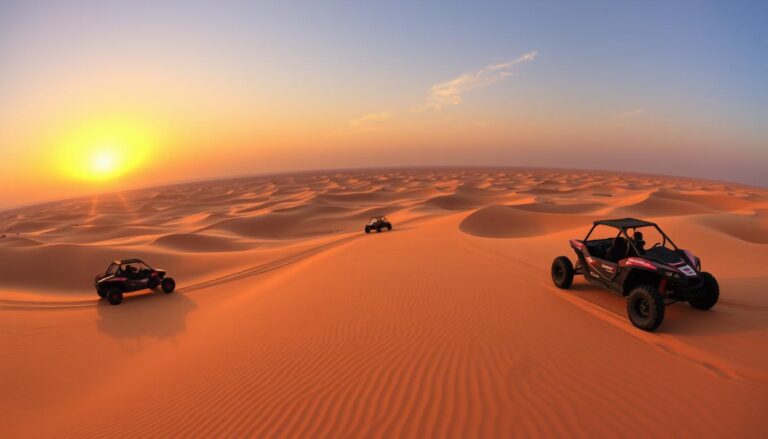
(455, 202)
(657, 205)
(289, 321)
(275, 225)
(17, 241)
(750, 228)
(501, 221)
(553, 207)
(196, 242)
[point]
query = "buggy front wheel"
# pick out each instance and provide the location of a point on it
(168, 285)
(115, 296)
(645, 307)
(708, 295)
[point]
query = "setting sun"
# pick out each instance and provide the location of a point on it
(105, 163)
(105, 150)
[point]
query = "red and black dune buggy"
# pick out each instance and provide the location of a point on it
(129, 275)
(377, 223)
(650, 276)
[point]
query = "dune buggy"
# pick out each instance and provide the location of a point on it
(129, 275)
(377, 223)
(650, 277)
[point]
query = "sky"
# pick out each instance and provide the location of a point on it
(105, 95)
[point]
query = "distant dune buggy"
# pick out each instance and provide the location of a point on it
(651, 278)
(129, 275)
(377, 223)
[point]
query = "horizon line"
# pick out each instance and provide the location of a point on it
(6, 209)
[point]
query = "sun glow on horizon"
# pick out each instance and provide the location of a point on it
(103, 151)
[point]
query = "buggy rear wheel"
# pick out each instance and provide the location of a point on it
(645, 307)
(115, 296)
(367, 229)
(709, 294)
(389, 226)
(168, 285)
(562, 272)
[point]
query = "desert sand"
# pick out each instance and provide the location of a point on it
(289, 321)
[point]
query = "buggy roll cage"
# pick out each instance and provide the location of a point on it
(120, 262)
(628, 223)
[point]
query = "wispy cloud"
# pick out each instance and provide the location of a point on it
(370, 122)
(451, 92)
(631, 113)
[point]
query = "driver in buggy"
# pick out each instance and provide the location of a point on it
(639, 242)
(130, 272)
(620, 247)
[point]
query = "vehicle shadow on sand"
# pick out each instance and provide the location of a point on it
(146, 314)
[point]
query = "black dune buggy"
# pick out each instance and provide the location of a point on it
(377, 223)
(129, 275)
(651, 277)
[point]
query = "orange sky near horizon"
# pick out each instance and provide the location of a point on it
(173, 149)
(100, 97)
